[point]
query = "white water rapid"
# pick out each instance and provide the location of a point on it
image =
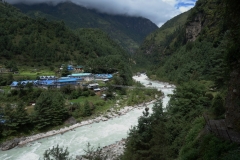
(97, 134)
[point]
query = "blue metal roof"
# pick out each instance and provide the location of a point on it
(15, 83)
(80, 74)
(46, 82)
(103, 76)
(67, 80)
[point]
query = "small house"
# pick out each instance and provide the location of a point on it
(15, 84)
(78, 69)
(93, 86)
(63, 81)
(47, 77)
(83, 76)
(46, 83)
(103, 76)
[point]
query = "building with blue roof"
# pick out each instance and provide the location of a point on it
(46, 83)
(15, 84)
(103, 76)
(54, 82)
(69, 67)
(58, 83)
(83, 76)
(63, 81)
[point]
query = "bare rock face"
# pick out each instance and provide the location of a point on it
(232, 102)
(194, 28)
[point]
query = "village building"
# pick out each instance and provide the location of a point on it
(84, 76)
(75, 80)
(69, 67)
(103, 76)
(64, 81)
(16, 84)
(46, 83)
(47, 77)
(58, 83)
(78, 69)
(93, 86)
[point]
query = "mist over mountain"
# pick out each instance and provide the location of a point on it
(127, 31)
(155, 10)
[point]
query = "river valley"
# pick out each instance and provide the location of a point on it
(97, 134)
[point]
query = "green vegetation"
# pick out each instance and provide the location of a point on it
(179, 132)
(124, 30)
(159, 44)
(56, 153)
(38, 43)
(203, 70)
(35, 47)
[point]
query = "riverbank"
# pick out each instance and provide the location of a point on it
(109, 152)
(109, 115)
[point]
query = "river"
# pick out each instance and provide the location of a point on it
(97, 134)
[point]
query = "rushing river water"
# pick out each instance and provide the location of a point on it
(97, 134)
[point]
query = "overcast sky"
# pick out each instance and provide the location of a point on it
(158, 11)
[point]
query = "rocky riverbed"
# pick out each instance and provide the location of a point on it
(109, 115)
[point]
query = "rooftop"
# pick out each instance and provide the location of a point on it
(80, 74)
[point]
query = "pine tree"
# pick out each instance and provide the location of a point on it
(56, 153)
(87, 109)
(50, 109)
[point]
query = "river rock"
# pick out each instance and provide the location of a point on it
(71, 121)
(10, 144)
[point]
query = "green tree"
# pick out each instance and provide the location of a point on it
(50, 109)
(218, 105)
(56, 153)
(10, 125)
(87, 109)
(65, 71)
(147, 139)
(29, 86)
(186, 104)
(22, 116)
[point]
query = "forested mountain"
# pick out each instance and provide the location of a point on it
(192, 49)
(127, 31)
(202, 118)
(155, 44)
(38, 42)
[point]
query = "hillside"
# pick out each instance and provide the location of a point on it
(127, 31)
(38, 42)
(202, 58)
(191, 49)
(156, 46)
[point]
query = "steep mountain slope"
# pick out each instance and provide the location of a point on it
(129, 32)
(192, 50)
(37, 42)
(202, 119)
(156, 46)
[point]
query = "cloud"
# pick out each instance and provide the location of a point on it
(158, 11)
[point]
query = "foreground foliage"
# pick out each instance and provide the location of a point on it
(178, 133)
